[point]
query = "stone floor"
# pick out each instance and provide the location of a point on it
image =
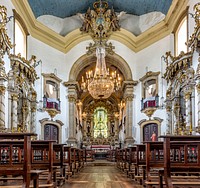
(100, 174)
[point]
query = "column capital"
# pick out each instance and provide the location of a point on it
(129, 97)
(188, 95)
(15, 96)
(71, 98)
(198, 88)
(2, 90)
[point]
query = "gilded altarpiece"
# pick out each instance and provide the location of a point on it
(180, 78)
(22, 96)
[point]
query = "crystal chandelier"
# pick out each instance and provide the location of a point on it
(101, 84)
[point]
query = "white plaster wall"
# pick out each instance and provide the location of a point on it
(10, 27)
(149, 57)
(53, 59)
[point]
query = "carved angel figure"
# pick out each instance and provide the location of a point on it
(86, 21)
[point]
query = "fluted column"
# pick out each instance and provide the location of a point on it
(72, 122)
(92, 126)
(128, 96)
(116, 129)
(9, 111)
(176, 110)
(169, 117)
(14, 112)
(3, 78)
(2, 107)
(33, 120)
(198, 95)
(84, 129)
(72, 88)
(129, 116)
(33, 112)
(188, 111)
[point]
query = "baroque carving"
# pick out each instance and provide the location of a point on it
(101, 21)
(176, 64)
(194, 41)
(2, 90)
(5, 42)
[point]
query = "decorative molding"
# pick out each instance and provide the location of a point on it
(149, 75)
(176, 64)
(64, 44)
(194, 41)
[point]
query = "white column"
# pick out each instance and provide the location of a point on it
(169, 117)
(198, 95)
(14, 112)
(72, 122)
(2, 107)
(128, 96)
(176, 110)
(9, 111)
(33, 120)
(84, 127)
(116, 126)
(188, 111)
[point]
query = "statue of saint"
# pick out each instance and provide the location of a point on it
(153, 137)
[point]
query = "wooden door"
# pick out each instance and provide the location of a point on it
(148, 131)
(50, 132)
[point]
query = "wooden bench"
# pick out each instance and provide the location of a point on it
(40, 161)
(182, 161)
(10, 166)
(178, 157)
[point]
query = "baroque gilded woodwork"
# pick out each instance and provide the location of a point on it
(21, 79)
(194, 42)
(101, 21)
(181, 83)
(5, 42)
(176, 64)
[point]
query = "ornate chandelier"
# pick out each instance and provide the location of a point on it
(100, 23)
(101, 85)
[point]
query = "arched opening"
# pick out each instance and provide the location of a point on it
(89, 104)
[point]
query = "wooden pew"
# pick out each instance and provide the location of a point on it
(185, 165)
(178, 150)
(17, 163)
(111, 155)
(119, 158)
(67, 161)
(42, 159)
(154, 162)
(41, 154)
(140, 164)
(59, 162)
(89, 155)
(74, 160)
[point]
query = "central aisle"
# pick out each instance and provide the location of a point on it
(100, 175)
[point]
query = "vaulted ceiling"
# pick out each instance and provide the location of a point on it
(67, 8)
(56, 23)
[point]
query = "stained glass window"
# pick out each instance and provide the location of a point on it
(100, 123)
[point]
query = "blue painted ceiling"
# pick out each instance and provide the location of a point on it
(67, 8)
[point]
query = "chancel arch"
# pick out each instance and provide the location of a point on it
(84, 64)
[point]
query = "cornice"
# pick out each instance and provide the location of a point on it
(64, 44)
